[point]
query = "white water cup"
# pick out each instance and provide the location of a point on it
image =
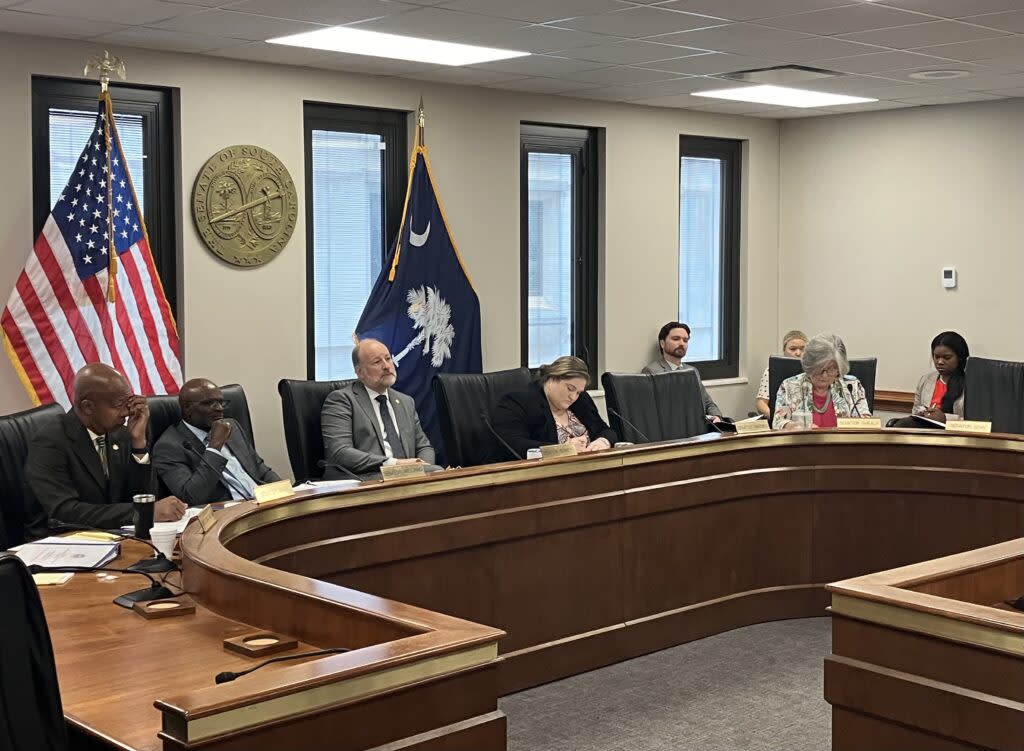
(164, 539)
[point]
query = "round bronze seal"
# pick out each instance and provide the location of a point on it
(244, 205)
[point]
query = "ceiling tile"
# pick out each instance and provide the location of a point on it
(1014, 63)
(844, 20)
(535, 11)
(954, 8)
(653, 90)
(739, 38)
(880, 62)
(982, 49)
(989, 82)
(280, 54)
(465, 76)
(540, 39)
(852, 84)
(627, 53)
(1010, 21)
(898, 91)
(329, 12)
(866, 107)
(711, 63)
(747, 10)
(923, 34)
(160, 39)
(1009, 92)
(640, 21)
(814, 48)
(973, 69)
(964, 96)
(723, 107)
(543, 85)
(545, 66)
(788, 113)
(15, 22)
(206, 3)
(122, 12)
(235, 25)
(622, 75)
(438, 23)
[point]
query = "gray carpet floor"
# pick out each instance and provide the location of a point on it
(757, 688)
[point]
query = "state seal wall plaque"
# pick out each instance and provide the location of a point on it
(244, 205)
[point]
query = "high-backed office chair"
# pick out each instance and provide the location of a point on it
(301, 404)
(994, 391)
(461, 398)
(661, 407)
(780, 368)
(165, 412)
(33, 718)
(15, 431)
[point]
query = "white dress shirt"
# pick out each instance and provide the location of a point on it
(388, 453)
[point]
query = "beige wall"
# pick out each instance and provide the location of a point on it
(248, 325)
(873, 205)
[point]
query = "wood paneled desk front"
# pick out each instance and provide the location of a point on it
(582, 561)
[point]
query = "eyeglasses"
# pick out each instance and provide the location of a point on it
(222, 403)
(832, 370)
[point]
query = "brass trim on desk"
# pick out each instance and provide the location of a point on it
(179, 727)
(940, 626)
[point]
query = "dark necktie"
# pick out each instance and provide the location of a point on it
(390, 431)
(101, 449)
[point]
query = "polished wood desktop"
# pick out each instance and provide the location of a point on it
(930, 656)
(581, 561)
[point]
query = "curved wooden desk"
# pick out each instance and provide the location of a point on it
(582, 562)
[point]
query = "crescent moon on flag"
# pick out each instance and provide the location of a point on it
(419, 240)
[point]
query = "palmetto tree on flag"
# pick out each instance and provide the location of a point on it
(431, 316)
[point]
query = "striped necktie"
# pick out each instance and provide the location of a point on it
(101, 449)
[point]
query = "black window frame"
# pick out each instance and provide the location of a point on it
(393, 127)
(581, 143)
(162, 179)
(730, 152)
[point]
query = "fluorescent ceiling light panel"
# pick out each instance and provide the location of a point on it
(395, 46)
(783, 96)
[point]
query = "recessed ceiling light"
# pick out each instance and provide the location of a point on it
(395, 46)
(939, 75)
(783, 96)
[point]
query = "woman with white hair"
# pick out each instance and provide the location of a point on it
(824, 392)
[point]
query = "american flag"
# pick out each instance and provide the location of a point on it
(76, 302)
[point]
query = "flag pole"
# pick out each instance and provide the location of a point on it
(421, 125)
(105, 66)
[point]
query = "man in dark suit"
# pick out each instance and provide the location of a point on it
(85, 467)
(206, 457)
(367, 424)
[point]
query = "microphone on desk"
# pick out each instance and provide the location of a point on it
(227, 676)
(634, 427)
(324, 464)
(502, 441)
(156, 590)
(158, 564)
(853, 401)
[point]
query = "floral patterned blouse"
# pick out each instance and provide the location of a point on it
(575, 430)
(793, 402)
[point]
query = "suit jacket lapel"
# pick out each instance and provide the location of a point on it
(362, 397)
(187, 434)
(85, 450)
(242, 453)
(404, 422)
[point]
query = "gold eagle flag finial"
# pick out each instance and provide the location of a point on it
(106, 65)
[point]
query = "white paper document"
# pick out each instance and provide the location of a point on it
(327, 485)
(59, 554)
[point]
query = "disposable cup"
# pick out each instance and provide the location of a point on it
(164, 539)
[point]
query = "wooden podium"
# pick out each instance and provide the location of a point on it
(929, 656)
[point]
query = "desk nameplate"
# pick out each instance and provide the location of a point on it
(859, 423)
(401, 471)
(273, 491)
(753, 426)
(555, 450)
(970, 426)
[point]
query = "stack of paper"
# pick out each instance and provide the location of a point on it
(61, 551)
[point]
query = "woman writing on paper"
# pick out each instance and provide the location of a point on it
(824, 392)
(939, 395)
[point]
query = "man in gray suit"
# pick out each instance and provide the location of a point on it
(367, 424)
(673, 340)
(207, 457)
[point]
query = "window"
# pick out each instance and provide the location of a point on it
(709, 252)
(558, 266)
(356, 175)
(63, 114)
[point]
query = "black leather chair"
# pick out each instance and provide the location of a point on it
(301, 404)
(661, 407)
(165, 412)
(460, 399)
(33, 717)
(15, 431)
(994, 391)
(780, 368)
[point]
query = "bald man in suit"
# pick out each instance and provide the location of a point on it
(367, 424)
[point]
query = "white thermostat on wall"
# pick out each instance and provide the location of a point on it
(949, 277)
